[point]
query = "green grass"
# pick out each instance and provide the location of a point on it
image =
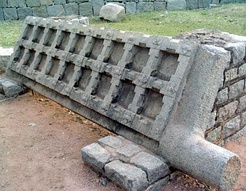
(229, 18)
(9, 32)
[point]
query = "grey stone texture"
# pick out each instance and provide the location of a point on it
(56, 10)
(131, 7)
(159, 6)
(152, 165)
(10, 14)
(46, 2)
(24, 12)
(238, 52)
(231, 74)
(222, 96)
(126, 175)
(59, 2)
(176, 4)
(85, 9)
(227, 111)
(71, 9)
(145, 7)
(204, 3)
(10, 89)
(96, 156)
(40, 11)
(33, 3)
(236, 89)
(16, 3)
(243, 120)
(3, 3)
(97, 5)
(1, 14)
(112, 12)
(242, 104)
(242, 70)
(231, 127)
(192, 4)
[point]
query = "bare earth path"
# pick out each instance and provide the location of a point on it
(40, 144)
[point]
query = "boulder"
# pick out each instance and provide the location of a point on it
(112, 12)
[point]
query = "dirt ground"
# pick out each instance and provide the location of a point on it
(40, 143)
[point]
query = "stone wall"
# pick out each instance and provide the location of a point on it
(19, 9)
(229, 112)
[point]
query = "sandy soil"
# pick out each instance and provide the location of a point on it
(40, 143)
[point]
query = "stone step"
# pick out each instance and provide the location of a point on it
(127, 164)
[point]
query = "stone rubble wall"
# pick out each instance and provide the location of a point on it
(20, 9)
(229, 112)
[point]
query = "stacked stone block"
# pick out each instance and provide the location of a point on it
(19, 9)
(129, 165)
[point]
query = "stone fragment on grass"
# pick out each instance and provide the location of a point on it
(112, 12)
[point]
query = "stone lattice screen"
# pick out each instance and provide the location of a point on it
(131, 78)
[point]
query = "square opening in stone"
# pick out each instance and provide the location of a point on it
(126, 94)
(28, 32)
(140, 56)
(68, 73)
(78, 44)
(19, 53)
(29, 57)
(38, 34)
(116, 53)
(63, 40)
(41, 61)
(167, 65)
(84, 79)
(96, 50)
(54, 66)
(50, 37)
(103, 85)
(152, 104)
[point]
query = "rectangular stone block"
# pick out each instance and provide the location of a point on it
(10, 13)
(236, 89)
(227, 111)
(16, 3)
(1, 14)
(222, 96)
(55, 10)
(126, 175)
(24, 12)
(231, 127)
(33, 3)
(71, 9)
(231, 74)
(192, 4)
(40, 11)
(46, 2)
(204, 3)
(242, 70)
(97, 5)
(242, 103)
(145, 6)
(3, 3)
(85, 9)
(59, 2)
(159, 6)
(131, 7)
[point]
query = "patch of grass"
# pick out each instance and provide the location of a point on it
(229, 18)
(9, 32)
